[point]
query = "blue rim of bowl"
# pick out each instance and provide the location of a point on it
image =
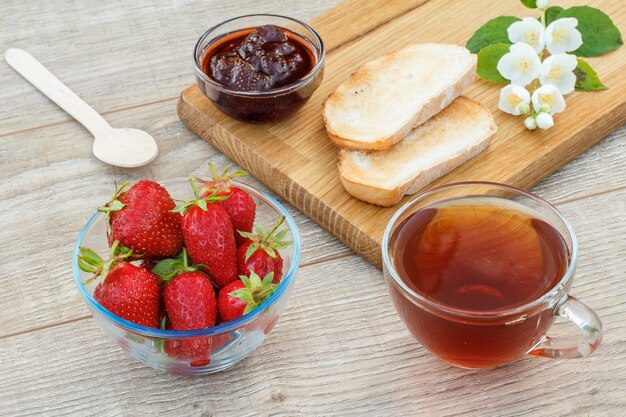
(269, 93)
(220, 328)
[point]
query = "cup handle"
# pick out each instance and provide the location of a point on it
(572, 347)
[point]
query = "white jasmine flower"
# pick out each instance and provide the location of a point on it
(548, 99)
(542, 4)
(512, 97)
(530, 31)
(558, 70)
(562, 36)
(544, 121)
(521, 65)
(530, 123)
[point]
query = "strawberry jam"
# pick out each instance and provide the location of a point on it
(259, 74)
(260, 59)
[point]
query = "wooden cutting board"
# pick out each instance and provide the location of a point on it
(295, 158)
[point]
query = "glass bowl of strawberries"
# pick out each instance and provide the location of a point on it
(192, 285)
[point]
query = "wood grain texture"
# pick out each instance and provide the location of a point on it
(339, 349)
(296, 159)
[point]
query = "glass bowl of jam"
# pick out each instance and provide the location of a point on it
(259, 68)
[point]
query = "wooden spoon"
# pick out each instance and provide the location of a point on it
(119, 147)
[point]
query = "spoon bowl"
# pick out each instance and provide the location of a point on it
(126, 148)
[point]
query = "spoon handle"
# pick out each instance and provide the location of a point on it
(31, 69)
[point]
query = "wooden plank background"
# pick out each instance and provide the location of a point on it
(339, 349)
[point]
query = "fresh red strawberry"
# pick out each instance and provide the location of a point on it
(126, 290)
(239, 205)
(190, 301)
(141, 218)
(259, 253)
(209, 237)
(190, 304)
(244, 295)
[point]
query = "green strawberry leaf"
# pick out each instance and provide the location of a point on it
(168, 268)
(270, 251)
(599, 33)
(267, 280)
(89, 256)
(250, 251)
(244, 294)
(492, 32)
(247, 235)
(86, 266)
(251, 306)
(531, 4)
(488, 58)
(255, 280)
(280, 235)
(245, 280)
(586, 78)
(552, 13)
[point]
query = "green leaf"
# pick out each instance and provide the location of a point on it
(251, 306)
(246, 281)
(250, 251)
(280, 235)
(552, 12)
(270, 251)
(586, 78)
(267, 280)
(243, 294)
(117, 205)
(597, 29)
(488, 58)
(492, 32)
(255, 280)
(531, 4)
(167, 268)
(90, 256)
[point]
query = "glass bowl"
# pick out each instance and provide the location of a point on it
(260, 106)
(231, 341)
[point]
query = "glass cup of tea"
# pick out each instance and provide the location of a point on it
(479, 271)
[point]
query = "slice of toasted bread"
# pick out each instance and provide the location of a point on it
(456, 134)
(387, 97)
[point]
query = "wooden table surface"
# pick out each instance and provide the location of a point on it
(339, 349)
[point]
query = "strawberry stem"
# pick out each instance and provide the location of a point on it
(216, 176)
(276, 226)
(194, 187)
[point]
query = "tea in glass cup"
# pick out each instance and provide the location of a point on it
(478, 272)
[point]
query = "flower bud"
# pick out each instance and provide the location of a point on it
(544, 121)
(544, 109)
(524, 109)
(542, 4)
(530, 123)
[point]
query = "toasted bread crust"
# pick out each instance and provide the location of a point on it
(358, 184)
(363, 76)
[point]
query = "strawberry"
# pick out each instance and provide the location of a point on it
(244, 295)
(141, 218)
(260, 253)
(126, 290)
(239, 205)
(209, 236)
(190, 304)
